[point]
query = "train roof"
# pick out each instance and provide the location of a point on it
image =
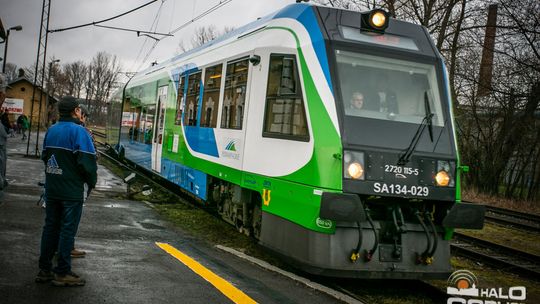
(309, 15)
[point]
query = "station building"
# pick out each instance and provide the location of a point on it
(19, 101)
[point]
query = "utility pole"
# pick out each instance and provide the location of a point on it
(47, 98)
(40, 60)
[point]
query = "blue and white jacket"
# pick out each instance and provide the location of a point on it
(70, 160)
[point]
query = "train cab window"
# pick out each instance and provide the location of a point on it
(210, 101)
(232, 114)
(192, 99)
(383, 88)
(285, 115)
(179, 101)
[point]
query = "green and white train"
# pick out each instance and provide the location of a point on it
(260, 124)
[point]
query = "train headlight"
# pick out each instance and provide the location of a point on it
(375, 21)
(442, 178)
(355, 170)
(445, 173)
(353, 163)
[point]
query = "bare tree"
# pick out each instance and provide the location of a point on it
(203, 35)
(76, 74)
(102, 75)
(11, 71)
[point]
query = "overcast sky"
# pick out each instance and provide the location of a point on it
(84, 43)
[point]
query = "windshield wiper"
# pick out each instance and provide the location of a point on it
(427, 121)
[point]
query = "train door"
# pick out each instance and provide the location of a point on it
(280, 112)
(233, 111)
(159, 125)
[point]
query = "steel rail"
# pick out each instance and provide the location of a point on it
(502, 257)
(507, 217)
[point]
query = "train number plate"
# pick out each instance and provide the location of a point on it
(384, 188)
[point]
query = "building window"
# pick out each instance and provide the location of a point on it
(232, 114)
(210, 103)
(192, 99)
(285, 115)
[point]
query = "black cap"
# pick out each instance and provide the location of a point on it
(67, 105)
(84, 110)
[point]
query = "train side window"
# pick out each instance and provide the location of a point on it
(179, 101)
(232, 114)
(192, 99)
(285, 115)
(210, 101)
(148, 124)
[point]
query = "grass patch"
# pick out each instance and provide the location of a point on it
(205, 226)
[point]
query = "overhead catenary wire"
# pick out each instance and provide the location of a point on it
(131, 30)
(208, 11)
(101, 21)
(152, 28)
(201, 15)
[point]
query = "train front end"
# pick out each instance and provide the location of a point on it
(401, 187)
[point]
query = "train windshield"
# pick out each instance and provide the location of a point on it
(388, 89)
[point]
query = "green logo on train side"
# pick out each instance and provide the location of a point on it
(326, 224)
(231, 146)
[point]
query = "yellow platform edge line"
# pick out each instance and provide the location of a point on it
(233, 293)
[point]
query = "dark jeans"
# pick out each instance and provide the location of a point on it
(61, 223)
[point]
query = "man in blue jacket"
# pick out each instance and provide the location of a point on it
(70, 162)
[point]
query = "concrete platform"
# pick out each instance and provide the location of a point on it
(123, 262)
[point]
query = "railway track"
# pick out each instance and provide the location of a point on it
(506, 217)
(499, 256)
(511, 218)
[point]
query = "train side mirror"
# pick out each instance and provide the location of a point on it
(255, 59)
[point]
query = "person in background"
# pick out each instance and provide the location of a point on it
(5, 120)
(357, 101)
(3, 138)
(70, 162)
(19, 123)
(24, 125)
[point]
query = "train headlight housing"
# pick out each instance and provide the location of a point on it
(375, 20)
(353, 164)
(445, 173)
